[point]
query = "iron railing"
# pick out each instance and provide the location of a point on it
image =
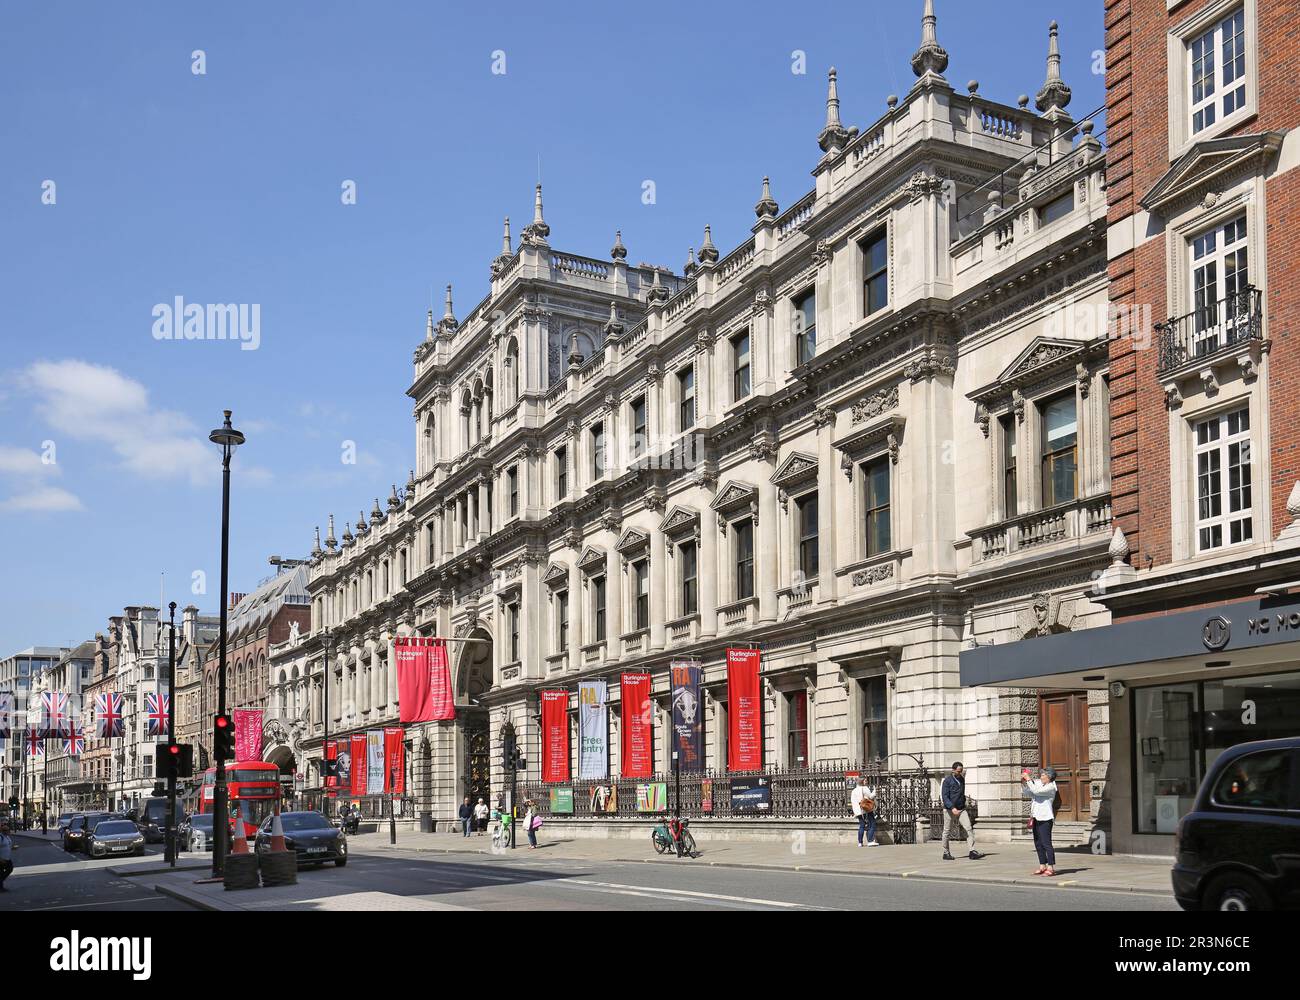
(1210, 329)
(820, 792)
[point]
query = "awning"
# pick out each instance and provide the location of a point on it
(1247, 634)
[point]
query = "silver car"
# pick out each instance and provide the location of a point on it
(114, 837)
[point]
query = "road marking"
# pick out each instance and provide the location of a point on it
(106, 902)
(631, 890)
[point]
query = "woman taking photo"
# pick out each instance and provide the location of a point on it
(1042, 792)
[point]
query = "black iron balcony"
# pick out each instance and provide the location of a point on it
(1217, 328)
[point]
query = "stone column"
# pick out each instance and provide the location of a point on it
(390, 675)
(828, 477)
(658, 587)
(767, 542)
(376, 676)
(707, 576)
(577, 610)
(614, 590)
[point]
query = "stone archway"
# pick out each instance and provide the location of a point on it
(282, 756)
(473, 679)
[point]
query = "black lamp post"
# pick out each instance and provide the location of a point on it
(227, 439)
(327, 643)
(170, 849)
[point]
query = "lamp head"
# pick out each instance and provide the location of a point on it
(226, 436)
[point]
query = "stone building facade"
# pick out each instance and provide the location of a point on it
(871, 435)
(1203, 194)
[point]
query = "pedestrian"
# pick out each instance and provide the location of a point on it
(531, 823)
(955, 813)
(1042, 792)
(466, 815)
(481, 816)
(862, 800)
(6, 854)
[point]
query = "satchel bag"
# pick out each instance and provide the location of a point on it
(972, 808)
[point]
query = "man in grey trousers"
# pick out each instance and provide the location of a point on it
(953, 794)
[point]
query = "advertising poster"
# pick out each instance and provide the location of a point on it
(337, 753)
(360, 769)
(603, 798)
(593, 730)
(395, 760)
(555, 735)
(706, 795)
(652, 797)
(637, 758)
(248, 733)
(423, 680)
(745, 711)
(751, 795)
(562, 801)
(374, 762)
(688, 716)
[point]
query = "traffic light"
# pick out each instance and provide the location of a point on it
(223, 737)
(176, 761)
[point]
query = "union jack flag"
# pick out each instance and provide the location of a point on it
(35, 741)
(55, 717)
(108, 715)
(155, 706)
(75, 743)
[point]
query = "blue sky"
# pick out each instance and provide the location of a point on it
(225, 187)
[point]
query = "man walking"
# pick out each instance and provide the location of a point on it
(953, 794)
(862, 801)
(6, 854)
(466, 815)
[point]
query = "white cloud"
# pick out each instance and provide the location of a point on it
(97, 403)
(21, 462)
(47, 499)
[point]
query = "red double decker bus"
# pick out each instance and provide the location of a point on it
(253, 792)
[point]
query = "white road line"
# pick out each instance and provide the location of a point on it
(106, 902)
(687, 894)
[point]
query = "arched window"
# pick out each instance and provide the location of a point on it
(430, 452)
(512, 372)
(466, 405)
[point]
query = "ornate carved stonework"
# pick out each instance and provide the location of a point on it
(928, 367)
(873, 575)
(824, 416)
(822, 252)
(983, 417)
(1046, 615)
(762, 450)
(875, 404)
(762, 302)
(1018, 405)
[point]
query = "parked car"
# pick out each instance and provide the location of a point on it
(74, 836)
(1239, 847)
(195, 832)
(315, 839)
(114, 835)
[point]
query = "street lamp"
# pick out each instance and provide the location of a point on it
(227, 439)
(327, 643)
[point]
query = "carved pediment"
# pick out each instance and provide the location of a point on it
(632, 540)
(1208, 165)
(734, 495)
(556, 573)
(797, 467)
(592, 557)
(680, 520)
(1044, 357)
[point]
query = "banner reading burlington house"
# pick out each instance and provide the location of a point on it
(745, 704)
(688, 722)
(636, 759)
(555, 735)
(593, 730)
(424, 691)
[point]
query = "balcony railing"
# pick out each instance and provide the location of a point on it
(1213, 329)
(1076, 519)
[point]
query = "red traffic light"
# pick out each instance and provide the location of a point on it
(222, 721)
(174, 749)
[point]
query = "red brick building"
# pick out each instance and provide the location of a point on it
(1203, 197)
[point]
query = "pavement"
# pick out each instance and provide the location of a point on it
(1003, 864)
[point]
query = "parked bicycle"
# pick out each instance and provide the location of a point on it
(671, 834)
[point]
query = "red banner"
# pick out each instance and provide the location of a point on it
(555, 735)
(394, 760)
(637, 757)
(248, 734)
(359, 756)
(423, 680)
(331, 753)
(744, 711)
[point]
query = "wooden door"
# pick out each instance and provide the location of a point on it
(1063, 741)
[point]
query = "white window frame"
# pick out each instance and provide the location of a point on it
(1181, 39)
(1199, 258)
(1222, 448)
